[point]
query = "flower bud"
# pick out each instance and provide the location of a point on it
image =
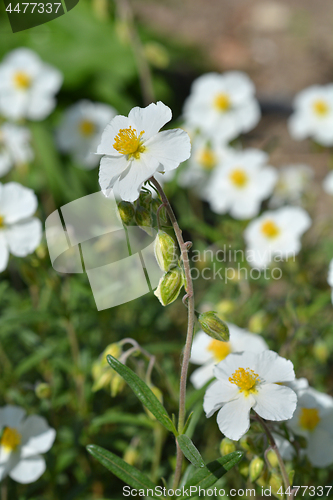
(227, 446)
(43, 390)
(145, 199)
(155, 205)
(103, 376)
(131, 455)
(256, 468)
(276, 483)
(144, 219)
(243, 468)
(214, 326)
(272, 458)
(126, 212)
(165, 251)
(257, 322)
(169, 286)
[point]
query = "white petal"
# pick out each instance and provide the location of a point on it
(202, 375)
(320, 448)
(40, 106)
(234, 418)
(328, 183)
(150, 119)
(298, 126)
(233, 362)
(24, 237)
(49, 80)
(28, 470)
(217, 394)
(275, 402)
(4, 253)
(273, 368)
(199, 352)
(170, 147)
(37, 436)
(242, 340)
(17, 202)
(11, 416)
(129, 184)
(108, 137)
(110, 169)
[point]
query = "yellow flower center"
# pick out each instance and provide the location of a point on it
(2, 221)
(10, 439)
(219, 349)
(22, 80)
(320, 107)
(270, 229)
(87, 128)
(245, 379)
(239, 178)
(222, 102)
(309, 418)
(207, 159)
(127, 142)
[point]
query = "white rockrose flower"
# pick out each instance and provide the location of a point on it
(328, 183)
(241, 183)
(313, 115)
(15, 149)
(20, 233)
(27, 86)
(292, 182)
(22, 440)
(222, 105)
(250, 380)
(81, 129)
(275, 235)
(330, 277)
(313, 419)
(208, 352)
(135, 150)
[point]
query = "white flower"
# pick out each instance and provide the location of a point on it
(241, 183)
(275, 235)
(328, 183)
(222, 106)
(21, 442)
(250, 380)
(20, 233)
(313, 116)
(292, 182)
(313, 419)
(135, 150)
(27, 86)
(208, 352)
(330, 277)
(14, 147)
(81, 130)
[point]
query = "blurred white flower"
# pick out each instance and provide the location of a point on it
(222, 105)
(21, 443)
(328, 183)
(313, 115)
(275, 235)
(20, 233)
(313, 419)
(81, 129)
(330, 277)
(292, 182)
(208, 352)
(27, 86)
(250, 380)
(15, 147)
(135, 150)
(241, 183)
(286, 449)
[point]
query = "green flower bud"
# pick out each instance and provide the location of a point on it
(145, 199)
(272, 458)
(169, 286)
(165, 251)
(144, 219)
(256, 468)
(257, 322)
(103, 375)
(227, 446)
(126, 212)
(43, 390)
(131, 455)
(275, 482)
(155, 205)
(214, 326)
(243, 468)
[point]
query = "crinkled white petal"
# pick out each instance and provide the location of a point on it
(28, 470)
(275, 402)
(273, 368)
(110, 170)
(111, 131)
(202, 375)
(129, 183)
(151, 118)
(217, 394)
(242, 340)
(24, 237)
(234, 417)
(170, 148)
(17, 202)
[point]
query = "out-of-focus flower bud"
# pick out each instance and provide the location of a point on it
(243, 468)
(144, 219)
(225, 307)
(255, 468)
(214, 326)
(157, 55)
(131, 455)
(272, 458)
(169, 286)
(227, 446)
(103, 375)
(155, 205)
(145, 199)
(126, 212)
(165, 251)
(275, 482)
(43, 390)
(321, 351)
(257, 322)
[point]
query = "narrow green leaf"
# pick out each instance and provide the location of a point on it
(190, 451)
(208, 475)
(143, 392)
(187, 422)
(127, 473)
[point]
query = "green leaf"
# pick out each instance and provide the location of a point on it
(127, 473)
(143, 392)
(190, 451)
(208, 475)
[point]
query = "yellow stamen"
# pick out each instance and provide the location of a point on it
(87, 128)
(270, 229)
(238, 177)
(309, 418)
(320, 107)
(10, 439)
(222, 102)
(128, 143)
(219, 349)
(22, 80)
(207, 159)
(245, 379)
(2, 221)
